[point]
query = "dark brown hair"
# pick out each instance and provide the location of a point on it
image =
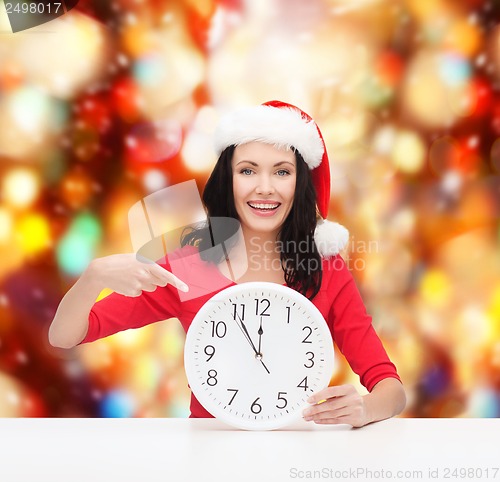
(300, 259)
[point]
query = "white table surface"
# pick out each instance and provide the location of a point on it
(33, 450)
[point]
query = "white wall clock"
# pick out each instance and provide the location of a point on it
(255, 352)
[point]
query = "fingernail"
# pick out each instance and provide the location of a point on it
(310, 400)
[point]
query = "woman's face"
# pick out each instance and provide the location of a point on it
(263, 186)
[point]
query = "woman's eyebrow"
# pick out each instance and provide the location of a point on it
(249, 162)
(278, 164)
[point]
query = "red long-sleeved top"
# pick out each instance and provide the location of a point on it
(338, 301)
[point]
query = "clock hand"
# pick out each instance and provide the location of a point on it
(260, 332)
(245, 331)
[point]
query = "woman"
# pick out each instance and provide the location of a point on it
(272, 176)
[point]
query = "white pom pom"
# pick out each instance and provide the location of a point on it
(330, 238)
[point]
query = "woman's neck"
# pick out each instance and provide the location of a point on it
(263, 256)
(258, 259)
(259, 243)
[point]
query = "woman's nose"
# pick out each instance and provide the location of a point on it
(264, 186)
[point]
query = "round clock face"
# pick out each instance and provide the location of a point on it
(255, 352)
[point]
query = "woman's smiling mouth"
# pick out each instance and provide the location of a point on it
(264, 208)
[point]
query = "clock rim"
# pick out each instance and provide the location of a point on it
(189, 364)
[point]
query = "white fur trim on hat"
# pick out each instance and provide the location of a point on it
(330, 238)
(282, 127)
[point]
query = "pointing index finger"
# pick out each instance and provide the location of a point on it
(167, 276)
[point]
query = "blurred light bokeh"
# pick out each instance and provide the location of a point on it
(116, 100)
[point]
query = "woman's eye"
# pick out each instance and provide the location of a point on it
(283, 172)
(246, 171)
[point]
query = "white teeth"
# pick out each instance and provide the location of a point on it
(264, 206)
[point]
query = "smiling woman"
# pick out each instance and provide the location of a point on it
(272, 176)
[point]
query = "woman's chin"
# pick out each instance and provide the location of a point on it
(262, 226)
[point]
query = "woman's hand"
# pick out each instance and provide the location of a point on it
(127, 275)
(123, 273)
(343, 404)
(338, 404)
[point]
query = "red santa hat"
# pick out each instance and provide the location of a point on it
(284, 125)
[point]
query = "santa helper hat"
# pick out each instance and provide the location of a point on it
(284, 125)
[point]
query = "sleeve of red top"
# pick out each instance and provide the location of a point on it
(117, 312)
(354, 333)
